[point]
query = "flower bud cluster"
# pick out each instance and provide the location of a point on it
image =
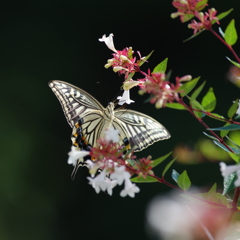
(161, 90)
(187, 9)
(112, 161)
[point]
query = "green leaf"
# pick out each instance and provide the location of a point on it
(209, 101)
(168, 75)
(187, 17)
(213, 197)
(183, 181)
(222, 15)
(187, 87)
(235, 144)
(233, 109)
(160, 159)
(223, 133)
(231, 33)
(217, 117)
(230, 127)
(130, 76)
(228, 183)
(235, 157)
(131, 161)
(176, 106)
(235, 150)
(175, 175)
(168, 166)
(196, 105)
(219, 198)
(210, 136)
(193, 36)
(201, 5)
(144, 59)
(197, 92)
(221, 32)
(161, 67)
(148, 179)
(213, 189)
(233, 62)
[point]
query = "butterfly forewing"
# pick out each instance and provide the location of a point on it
(142, 130)
(75, 102)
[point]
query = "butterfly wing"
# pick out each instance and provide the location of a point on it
(140, 129)
(80, 107)
(75, 102)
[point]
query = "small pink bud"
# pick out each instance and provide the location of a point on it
(185, 78)
(201, 16)
(176, 14)
(124, 58)
(183, 1)
(159, 103)
(130, 84)
(107, 65)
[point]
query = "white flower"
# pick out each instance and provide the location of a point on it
(125, 98)
(101, 182)
(93, 167)
(108, 41)
(129, 189)
(111, 134)
(170, 219)
(98, 182)
(110, 185)
(75, 154)
(120, 174)
(227, 170)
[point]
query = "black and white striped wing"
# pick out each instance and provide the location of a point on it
(83, 113)
(141, 130)
(75, 102)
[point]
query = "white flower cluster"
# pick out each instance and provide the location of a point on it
(105, 181)
(227, 170)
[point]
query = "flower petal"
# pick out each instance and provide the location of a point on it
(75, 154)
(108, 41)
(125, 98)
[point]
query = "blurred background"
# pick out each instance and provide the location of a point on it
(48, 40)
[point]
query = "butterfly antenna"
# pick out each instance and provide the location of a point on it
(103, 91)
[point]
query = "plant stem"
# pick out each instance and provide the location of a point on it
(227, 45)
(204, 124)
(162, 180)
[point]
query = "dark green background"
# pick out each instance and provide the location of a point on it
(47, 40)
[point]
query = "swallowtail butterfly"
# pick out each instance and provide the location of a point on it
(89, 120)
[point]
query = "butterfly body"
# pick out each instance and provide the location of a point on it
(89, 119)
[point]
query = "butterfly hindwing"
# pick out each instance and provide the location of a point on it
(142, 130)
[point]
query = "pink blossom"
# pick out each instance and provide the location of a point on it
(162, 91)
(186, 8)
(205, 20)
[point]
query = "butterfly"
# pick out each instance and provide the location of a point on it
(89, 120)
